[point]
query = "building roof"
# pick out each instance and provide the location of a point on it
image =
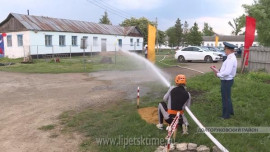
(227, 38)
(41, 23)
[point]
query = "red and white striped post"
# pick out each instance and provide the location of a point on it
(138, 98)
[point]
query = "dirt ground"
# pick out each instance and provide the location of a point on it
(30, 101)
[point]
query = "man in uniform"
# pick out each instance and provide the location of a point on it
(177, 98)
(226, 75)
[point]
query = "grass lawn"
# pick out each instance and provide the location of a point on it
(251, 103)
(73, 65)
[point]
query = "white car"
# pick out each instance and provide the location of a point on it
(196, 53)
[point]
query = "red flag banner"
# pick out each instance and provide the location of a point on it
(249, 35)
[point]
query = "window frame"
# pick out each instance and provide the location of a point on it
(120, 44)
(138, 42)
(74, 40)
(20, 41)
(62, 42)
(48, 42)
(95, 41)
(131, 42)
(9, 40)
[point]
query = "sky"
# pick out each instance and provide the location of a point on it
(215, 12)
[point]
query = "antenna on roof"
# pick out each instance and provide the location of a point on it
(28, 12)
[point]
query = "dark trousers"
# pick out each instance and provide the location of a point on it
(227, 107)
(163, 114)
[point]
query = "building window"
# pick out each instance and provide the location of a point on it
(212, 44)
(237, 45)
(242, 45)
(220, 45)
(207, 44)
(74, 41)
(95, 41)
(20, 40)
(9, 40)
(62, 40)
(138, 42)
(48, 40)
(120, 42)
(131, 42)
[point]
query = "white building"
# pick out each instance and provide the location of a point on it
(32, 35)
(238, 40)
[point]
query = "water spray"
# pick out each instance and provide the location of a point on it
(152, 67)
(167, 84)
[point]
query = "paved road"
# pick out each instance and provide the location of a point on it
(194, 68)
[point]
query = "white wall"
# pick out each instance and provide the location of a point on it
(16, 51)
(38, 43)
(220, 43)
(35, 42)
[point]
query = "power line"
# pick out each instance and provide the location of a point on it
(106, 5)
(107, 8)
(124, 12)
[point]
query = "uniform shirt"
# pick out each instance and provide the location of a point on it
(228, 69)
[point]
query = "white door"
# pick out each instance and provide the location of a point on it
(197, 54)
(201, 55)
(187, 53)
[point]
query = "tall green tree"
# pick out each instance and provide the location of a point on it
(261, 12)
(185, 32)
(237, 25)
(207, 30)
(194, 37)
(178, 32)
(161, 37)
(172, 36)
(105, 19)
(141, 23)
(175, 34)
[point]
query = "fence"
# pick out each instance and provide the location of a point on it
(41, 50)
(259, 59)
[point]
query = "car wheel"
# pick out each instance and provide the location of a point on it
(181, 59)
(208, 59)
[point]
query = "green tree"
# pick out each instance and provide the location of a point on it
(105, 19)
(194, 37)
(161, 37)
(141, 23)
(175, 34)
(185, 32)
(178, 32)
(237, 24)
(172, 36)
(261, 12)
(207, 30)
